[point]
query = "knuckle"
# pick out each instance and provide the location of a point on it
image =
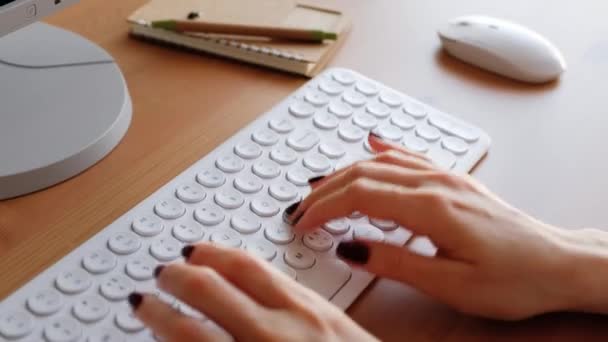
(434, 198)
(358, 170)
(389, 155)
(201, 281)
(357, 188)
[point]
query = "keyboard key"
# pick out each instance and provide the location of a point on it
(280, 234)
(106, 335)
(283, 155)
(209, 214)
(73, 282)
(282, 126)
(190, 192)
(318, 240)
(124, 243)
(226, 238)
(140, 268)
(147, 225)
(331, 87)
(344, 77)
(442, 158)
(353, 98)
(415, 144)
(211, 178)
(325, 120)
(385, 225)
(422, 245)
(116, 287)
(63, 329)
(351, 133)
(90, 309)
(299, 257)
(170, 209)
(316, 98)
(390, 98)
(262, 249)
(230, 163)
(45, 302)
(403, 121)
(283, 191)
(332, 150)
(378, 109)
(428, 133)
(15, 325)
(367, 232)
(469, 134)
(248, 184)
(366, 88)
(188, 232)
(317, 162)
(127, 322)
(299, 176)
(229, 199)
(365, 121)
(248, 150)
(327, 276)
(264, 207)
(265, 137)
(417, 111)
(337, 226)
(301, 110)
(340, 109)
(389, 132)
(455, 145)
(288, 271)
(99, 261)
(355, 215)
(166, 249)
(266, 169)
(245, 224)
(303, 140)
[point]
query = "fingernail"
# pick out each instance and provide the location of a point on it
(187, 251)
(372, 134)
(290, 211)
(157, 270)
(292, 208)
(315, 179)
(135, 300)
(354, 251)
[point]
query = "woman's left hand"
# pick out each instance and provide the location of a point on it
(246, 296)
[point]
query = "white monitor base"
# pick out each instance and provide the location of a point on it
(64, 105)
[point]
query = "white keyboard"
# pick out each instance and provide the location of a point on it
(235, 197)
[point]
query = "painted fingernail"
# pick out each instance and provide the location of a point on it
(135, 300)
(372, 134)
(157, 270)
(354, 251)
(292, 208)
(315, 179)
(187, 251)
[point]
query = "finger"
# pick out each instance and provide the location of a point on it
(207, 291)
(166, 322)
(380, 145)
(254, 276)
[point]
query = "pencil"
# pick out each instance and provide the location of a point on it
(243, 30)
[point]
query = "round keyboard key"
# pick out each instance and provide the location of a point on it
(454, 144)
(353, 98)
(325, 120)
(230, 163)
(264, 207)
(319, 240)
(124, 243)
(337, 226)
(332, 150)
(344, 77)
(365, 121)
(266, 169)
(209, 214)
(355, 215)
(280, 234)
(127, 322)
(265, 137)
(15, 325)
(107, 335)
(147, 225)
(367, 146)
(283, 155)
(288, 271)
(303, 140)
(299, 176)
(63, 329)
(367, 232)
(140, 268)
(391, 99)
(428, 133)
(385, 225)
(245, 224)
(73, 282)
(331, 87)
(340, 109)
(116, 287)
(442, 158)
(378, 109)
(211, 178)
(317, 162)
(170, 209)
(188, 232)
(262, 249)
(351, 133)
(229, 199)
(190, 193)
(99, 261)
(403, 121)
(248, 184)
(416, 110)
(166, 249)
(415, 144)
(299, 257)
(316, 98)
(90, 309)
(469, 134)
(389, 132)
(366, 88)
(45, 302)
(283, 191)
(226, 238)
(248, 150)
(301, 110)
(282, 126)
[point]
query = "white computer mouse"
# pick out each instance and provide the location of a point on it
(503, 47)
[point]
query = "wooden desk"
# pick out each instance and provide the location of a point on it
(548, 155)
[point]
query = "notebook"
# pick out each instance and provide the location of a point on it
(296, 57)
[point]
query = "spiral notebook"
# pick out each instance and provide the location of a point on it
(301, 58)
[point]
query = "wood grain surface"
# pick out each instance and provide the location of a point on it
(548, 155)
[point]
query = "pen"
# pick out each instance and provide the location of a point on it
(245, 30)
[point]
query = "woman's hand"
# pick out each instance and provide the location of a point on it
(247, 297)
(492, 260)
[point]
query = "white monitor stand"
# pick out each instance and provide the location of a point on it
(64, 105)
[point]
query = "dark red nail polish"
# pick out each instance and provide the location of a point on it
(354, 251)
(157, 270)
(135, 300)
(292, 208)
(315, 179)
(187, 251)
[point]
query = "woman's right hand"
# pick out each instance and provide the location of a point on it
(492, 260)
